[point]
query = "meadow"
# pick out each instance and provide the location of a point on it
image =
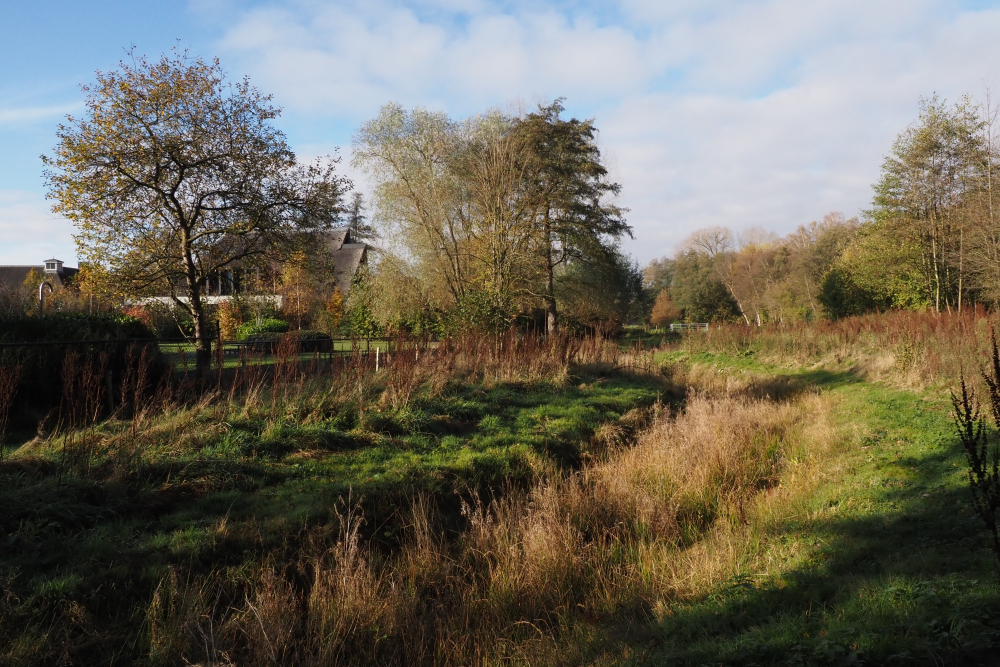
(792, 496)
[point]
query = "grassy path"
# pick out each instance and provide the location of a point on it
(877, 559)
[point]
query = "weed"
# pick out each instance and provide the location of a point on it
(981, 448)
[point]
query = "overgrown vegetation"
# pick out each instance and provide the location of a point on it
(506, 501)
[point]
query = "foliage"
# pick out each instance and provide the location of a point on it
(485, 211)
(601, 290)
(267, 325)
(664, 311)
(698, 292)
(927, 182)
(329, 318)
(841, 297)
(72, 327)
(567, 195)
(214, 186)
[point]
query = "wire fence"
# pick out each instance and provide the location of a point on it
(81, 380)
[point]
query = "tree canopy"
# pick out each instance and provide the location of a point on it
(174, 175)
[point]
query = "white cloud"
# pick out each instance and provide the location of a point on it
(29, 114)
(735, 112)
(30, 233)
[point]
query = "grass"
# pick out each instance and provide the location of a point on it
(97, 519)
(556, 503)
(874, 555)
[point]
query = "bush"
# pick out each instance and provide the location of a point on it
(313, 341)
(69, 327)
(268, 325)
(61, 376)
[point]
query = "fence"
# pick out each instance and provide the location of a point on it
(79, 380)
(689, 326)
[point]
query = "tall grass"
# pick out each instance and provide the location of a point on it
(916, 349)
(525, 577)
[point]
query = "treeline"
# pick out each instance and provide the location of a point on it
(491, 221)
(930, 240)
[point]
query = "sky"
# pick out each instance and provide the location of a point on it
(763, 113)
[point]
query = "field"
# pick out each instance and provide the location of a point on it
(777, 497)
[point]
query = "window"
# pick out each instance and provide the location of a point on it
(50, 266)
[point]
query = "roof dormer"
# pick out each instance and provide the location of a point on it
(53, 266)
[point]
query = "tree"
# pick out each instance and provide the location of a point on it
(664, 310)
(697, 290)
(567, 186)
(492, 209)
(927, 182)
(175, 176)
(361, 229)
(420, 196)
(600, 289)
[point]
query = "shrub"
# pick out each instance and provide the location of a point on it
(313, 341)
(68, 327)
(63, 375)
(664, 310)
(268, 325)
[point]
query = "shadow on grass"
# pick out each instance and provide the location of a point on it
(901, 577)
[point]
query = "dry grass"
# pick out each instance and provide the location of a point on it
(910, 349)
(668, 512)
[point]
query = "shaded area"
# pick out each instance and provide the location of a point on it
(84, 540)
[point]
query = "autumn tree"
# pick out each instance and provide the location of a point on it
(664, 311)
(174, 175)
(420, 197)
(921, 199)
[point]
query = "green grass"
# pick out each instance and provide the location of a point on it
(882, 562)
(877, 560)
(74, 537)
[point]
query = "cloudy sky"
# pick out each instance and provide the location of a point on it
(712, 112)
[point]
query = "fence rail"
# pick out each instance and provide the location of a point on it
(70, 378)
(689, 326)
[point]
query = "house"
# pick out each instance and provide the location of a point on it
(53, 270)
(347, 257)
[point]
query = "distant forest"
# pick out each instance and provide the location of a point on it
(930, 240)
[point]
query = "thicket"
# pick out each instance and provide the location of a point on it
(48, 358)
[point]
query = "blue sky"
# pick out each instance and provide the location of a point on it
(765, 113)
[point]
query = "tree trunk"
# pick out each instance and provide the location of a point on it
(551, 314)
(203, 344)
(202, 340)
